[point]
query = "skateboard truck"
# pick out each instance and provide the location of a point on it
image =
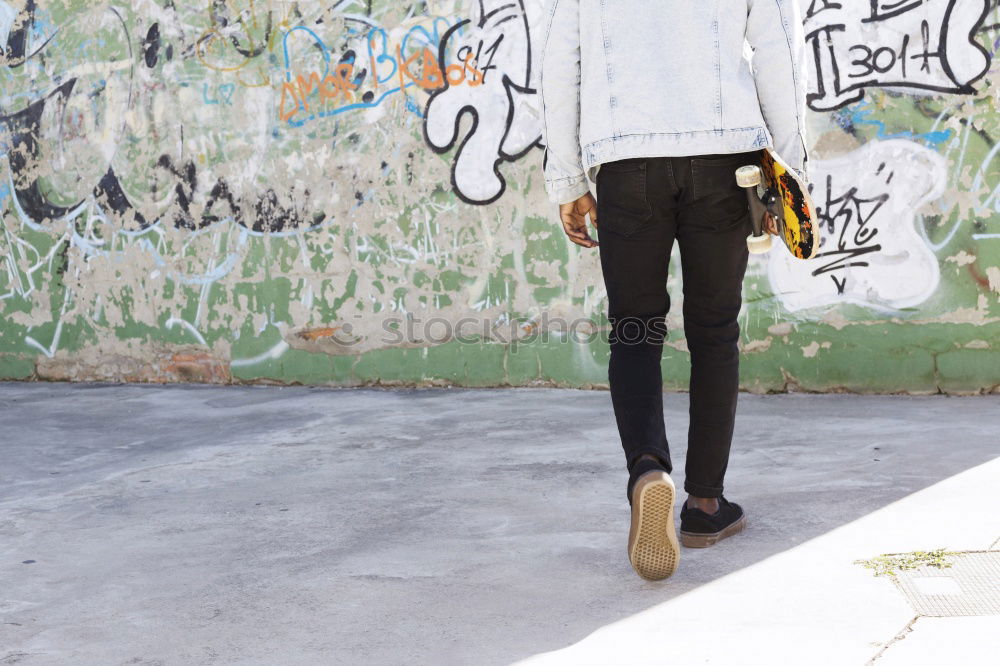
(749, 177)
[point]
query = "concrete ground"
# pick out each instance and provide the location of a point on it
(264, 525)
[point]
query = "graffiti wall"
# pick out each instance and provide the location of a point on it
(349, 192)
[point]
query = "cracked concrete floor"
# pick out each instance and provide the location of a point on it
(207, 525)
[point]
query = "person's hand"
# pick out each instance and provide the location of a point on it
(574, 219)
(770, 224)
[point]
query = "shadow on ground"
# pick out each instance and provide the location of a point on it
(197, 524)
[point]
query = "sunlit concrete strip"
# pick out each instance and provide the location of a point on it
(946, 640)
(808, 604)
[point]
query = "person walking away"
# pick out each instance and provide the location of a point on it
(657, 104)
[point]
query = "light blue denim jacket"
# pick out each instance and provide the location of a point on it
(651, 78)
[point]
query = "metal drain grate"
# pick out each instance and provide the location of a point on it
(970, 586)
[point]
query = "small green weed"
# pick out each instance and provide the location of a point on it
(888, 565)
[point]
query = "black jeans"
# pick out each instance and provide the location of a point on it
(643, 205)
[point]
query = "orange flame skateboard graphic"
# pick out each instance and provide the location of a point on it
(792, 207)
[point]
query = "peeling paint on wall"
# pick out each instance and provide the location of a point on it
(350, 192)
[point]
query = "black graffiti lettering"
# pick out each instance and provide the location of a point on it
(864, 235)
(817, 6)
(842, 259)
(25, 128)
(151, 46)
(15, 50)
(880, 11)
(841, 283)
(848, 219)
(492, 51)
(110, 194)
(902, 54)
(925, 34)
(855, 47)
(883, 59)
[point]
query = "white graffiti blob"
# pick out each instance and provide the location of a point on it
(494, 42)
(870, 251)
(7, 16)
(914, 45)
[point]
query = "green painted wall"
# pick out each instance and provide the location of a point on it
(351, 192)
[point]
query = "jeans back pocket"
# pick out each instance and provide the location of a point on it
(622, 201)
(719, 198)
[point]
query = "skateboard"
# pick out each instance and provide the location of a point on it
(773, 187)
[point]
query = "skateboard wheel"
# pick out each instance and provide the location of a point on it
(748, 176)
(759, 244)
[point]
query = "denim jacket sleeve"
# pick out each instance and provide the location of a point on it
(775, 33)
(559, 84)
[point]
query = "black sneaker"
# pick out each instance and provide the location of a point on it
(701, 530)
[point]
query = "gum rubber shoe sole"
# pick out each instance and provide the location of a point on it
(652, 539)
(695, 540)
